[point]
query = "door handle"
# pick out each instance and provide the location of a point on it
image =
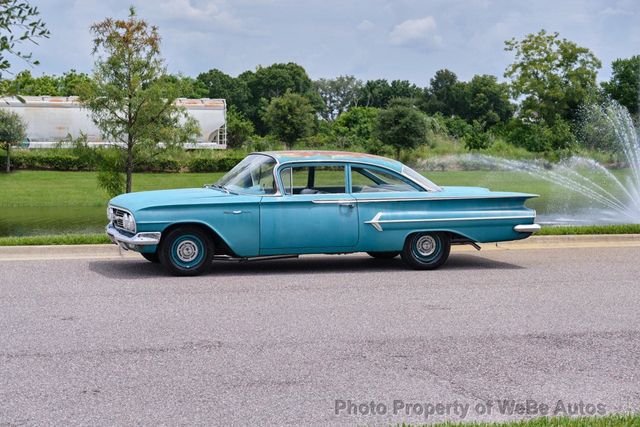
(232, 212)
(350, 205)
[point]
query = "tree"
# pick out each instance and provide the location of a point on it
(375, 93)
(289, 118)
(624, 85)
(338, 95)
(187, 87)
(357, 125)
(444, 95)
(221, 85)
(239, 129)
(555, 76)
(274, 81)
(378, 93)
(19, 23)
(128, 99)
(70, 82)
(487, 101)
(12, 132)
(402, 126)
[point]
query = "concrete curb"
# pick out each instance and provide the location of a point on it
(25, 253)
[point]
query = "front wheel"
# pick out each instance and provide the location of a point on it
(426, 251)
(186, 251)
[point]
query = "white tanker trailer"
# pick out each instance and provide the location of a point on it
(51, 119)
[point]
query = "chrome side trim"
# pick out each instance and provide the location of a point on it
(418, 199)
(332, 202)
(376, 221)
(140, 239)
(527, 228)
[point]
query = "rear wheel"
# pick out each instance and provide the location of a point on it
(187, 251)
(384, 255)
(151, 257)
(426, 251)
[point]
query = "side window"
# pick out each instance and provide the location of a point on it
(313, 180)
(371, 180)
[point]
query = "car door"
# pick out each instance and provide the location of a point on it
(313, 213)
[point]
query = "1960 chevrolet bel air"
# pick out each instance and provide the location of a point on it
(289, 203)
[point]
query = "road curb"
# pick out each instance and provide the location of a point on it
(16, 253)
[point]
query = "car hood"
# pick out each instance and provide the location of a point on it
(144, 199)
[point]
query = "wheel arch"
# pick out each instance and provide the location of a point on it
(456, 236)
(222, 247)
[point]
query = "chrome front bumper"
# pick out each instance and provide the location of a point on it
(527, 228)
(132, 242)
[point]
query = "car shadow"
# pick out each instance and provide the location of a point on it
(134, 269)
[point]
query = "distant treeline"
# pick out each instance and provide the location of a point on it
(539, 106)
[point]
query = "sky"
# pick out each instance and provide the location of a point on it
(402, 39)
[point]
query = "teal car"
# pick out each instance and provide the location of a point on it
(288, 203)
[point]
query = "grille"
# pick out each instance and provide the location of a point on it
(117, 220)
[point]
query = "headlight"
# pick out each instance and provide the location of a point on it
(128, 222)
(110, 213)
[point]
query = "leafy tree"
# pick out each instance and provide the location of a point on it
(69, 83)
(539, 136)
(128, 99)
(487, 101)
(357, 125)
(66, 85)
(477, 139)
(378, 93)
(375, 93)
(290, 118)
(624, 85)
(239, 129)
(445, 94)
(19, 23)
(274, 81)
(187, 87)
(338, 95)
(402, 126)
(25, 84)
(555, 76)
(12, 132)
(221, 85)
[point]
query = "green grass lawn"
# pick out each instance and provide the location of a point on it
(38, 203)
(50, 188)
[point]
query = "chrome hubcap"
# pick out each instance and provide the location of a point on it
(426, 245)
(187, 251)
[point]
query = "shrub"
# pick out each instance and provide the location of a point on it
(477, 139)
(213, 164)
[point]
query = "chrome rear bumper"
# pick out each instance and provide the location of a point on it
(527, 228)
(130, 242)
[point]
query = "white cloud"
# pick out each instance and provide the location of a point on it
(421, 32)
(365, 25)
(210, 12)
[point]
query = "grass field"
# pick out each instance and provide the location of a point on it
(48, 188)
(69, 207)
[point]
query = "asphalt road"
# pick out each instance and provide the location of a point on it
(116, 341)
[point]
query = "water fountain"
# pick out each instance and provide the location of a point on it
(612, 199)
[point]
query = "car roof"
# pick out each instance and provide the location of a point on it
(329, 156)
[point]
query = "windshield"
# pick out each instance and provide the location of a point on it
(420, 179)
(253, 175)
